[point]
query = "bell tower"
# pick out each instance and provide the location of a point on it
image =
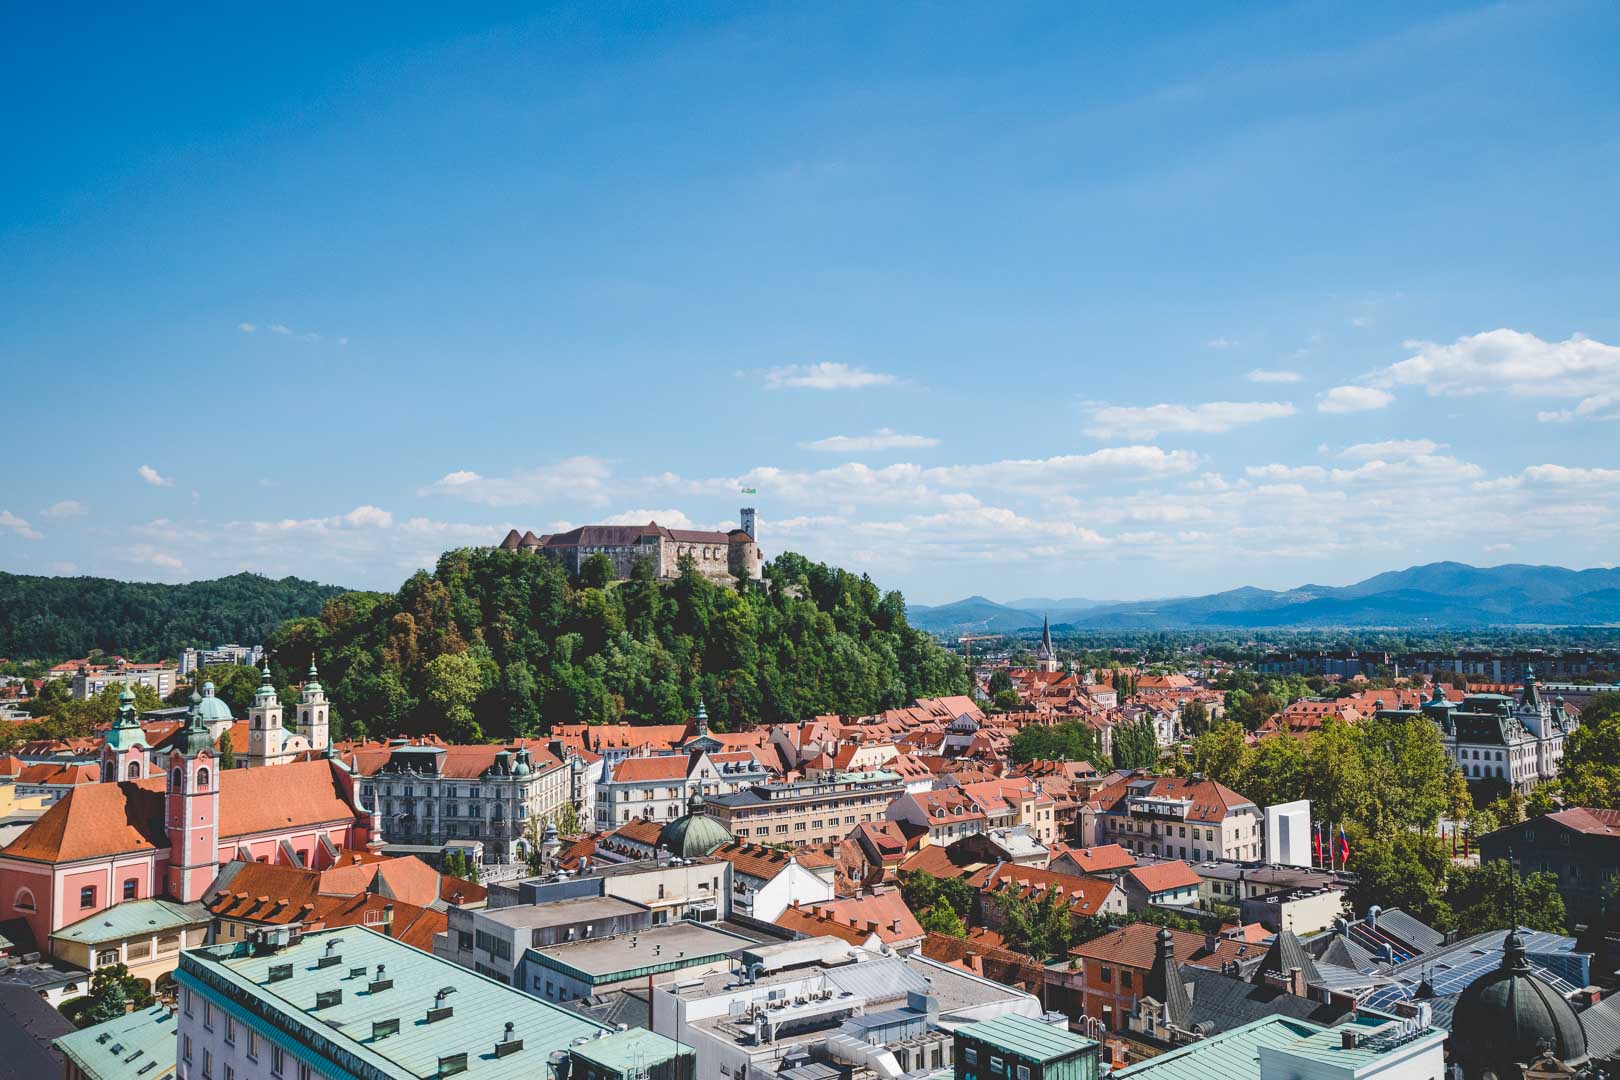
(312, 714)
(265, 733)
(124, 749)
(191, 811)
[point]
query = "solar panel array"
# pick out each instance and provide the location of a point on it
(1553, 960)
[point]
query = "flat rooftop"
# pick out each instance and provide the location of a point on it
(662, 948)
(563, 912)
(481, 1006)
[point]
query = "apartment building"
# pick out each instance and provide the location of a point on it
(656, 787)
(1177, 818)
(809, 811)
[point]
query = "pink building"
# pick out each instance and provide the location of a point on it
(168, 835)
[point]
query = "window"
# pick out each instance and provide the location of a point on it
(87, 896)
(1023, 1072)
(278, 1060)
(185, 1047)
(202, 779)
(138, 950)
(106, 956)
(1106, 974)
(970, 1055)
(996, 1064)
(130, 887)
(208, 1015)
(24, 900)
(1125, 979)
(253, 1045)
(187, 1002)
(230, 1030)
(208, 1062)
(134, 771)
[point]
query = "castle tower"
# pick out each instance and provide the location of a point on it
(191, 811)
(312, 718)
(124, 750)
(748, 521)
(265, 733)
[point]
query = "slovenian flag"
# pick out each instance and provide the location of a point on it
(1344, 848)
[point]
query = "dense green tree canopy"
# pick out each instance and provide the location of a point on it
(66, 618)
(496, 643)
(1068, 741)
(1590, 772)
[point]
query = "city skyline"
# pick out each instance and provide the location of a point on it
(1015, 305)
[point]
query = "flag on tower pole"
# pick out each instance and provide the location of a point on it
(1344, 848)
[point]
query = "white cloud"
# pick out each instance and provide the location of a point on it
(1214, 417)
(278, 328)
(1391, 448)
(246, 327)
(669, 519)
(361, 517)
(1348, 399)
(1521, 364)
(147, 555)
(17, 526)
(1220, 343)
(881, 439)
(1567, 476)
(824, 376)
(585, 478)
(67, 508)
(1269, 375)
(153, 477)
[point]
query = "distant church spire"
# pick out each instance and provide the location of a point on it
(1045, 656)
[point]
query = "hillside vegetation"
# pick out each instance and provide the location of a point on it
(59, 618)
(495, 643)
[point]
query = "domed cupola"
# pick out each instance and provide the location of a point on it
(212, 709)
(1508, 1018)
(694, 833)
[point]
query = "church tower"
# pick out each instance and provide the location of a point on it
(312, 718)
(265, 733)
(1045, 656)
(191, 811)
(124, 750)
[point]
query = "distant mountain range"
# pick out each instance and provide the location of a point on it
(1442, 594)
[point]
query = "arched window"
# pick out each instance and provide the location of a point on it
(134, 770)
(202, 779)
(179, 777)
(24, 900)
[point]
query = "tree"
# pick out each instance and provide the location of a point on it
(1493, 897)
(1194, 717)
(458, 864)
(1590, 772)
(1335, 781)
(1274, 772)
(1405, 870)
(113, 992)
(1136, 744)
(534, 836)
(1068, 741)
(942, 919)
(597, 571)
(566, 818)
(1221, 754)
(227, 752)
(1000, 681)
(922, 891)
(1037, 928)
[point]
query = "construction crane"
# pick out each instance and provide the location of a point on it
(969, 639)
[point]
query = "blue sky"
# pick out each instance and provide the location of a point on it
(1012, 300)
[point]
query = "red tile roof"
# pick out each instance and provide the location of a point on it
(1135, 946)
(1086, 896)
(640, 770)
(1099, 859)
(1590, 820)
(1164, 876)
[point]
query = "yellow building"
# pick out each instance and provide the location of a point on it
(144, 935)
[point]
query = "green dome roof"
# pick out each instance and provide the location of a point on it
(1508, 1015)
(212, 709)
(694, 833)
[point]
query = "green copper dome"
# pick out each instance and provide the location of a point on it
(126, 731)
(1508, 1016)
(212, 709)
(694, 833)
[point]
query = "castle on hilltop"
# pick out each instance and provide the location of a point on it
(720, 556)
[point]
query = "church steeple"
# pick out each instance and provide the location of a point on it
(313, 719)
(1046, 656)
(266, 736)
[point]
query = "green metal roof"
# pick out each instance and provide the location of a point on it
(133, 918)
(1328, 1046)
(123, 1046)
(1231, 1055)
(286, 1011)
(1027, 1038)
(630, 1051)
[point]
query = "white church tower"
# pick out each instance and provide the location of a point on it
(312, 720)
(265, 733)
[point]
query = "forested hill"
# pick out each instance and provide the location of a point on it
(65, 617)
(496, 643)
